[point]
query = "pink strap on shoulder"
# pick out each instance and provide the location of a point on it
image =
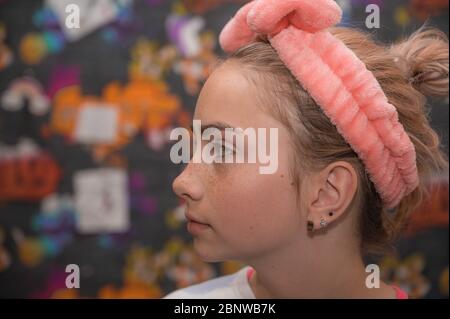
(250, 272)
(399, 293)
(338, 81)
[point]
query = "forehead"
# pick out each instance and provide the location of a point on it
(228, 96)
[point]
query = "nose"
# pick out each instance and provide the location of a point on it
(187, 185)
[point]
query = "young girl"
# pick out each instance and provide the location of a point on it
(355, 148)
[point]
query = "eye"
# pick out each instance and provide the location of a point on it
(225, 149)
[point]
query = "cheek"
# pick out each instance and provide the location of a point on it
(251, 209)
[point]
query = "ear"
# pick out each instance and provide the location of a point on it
(331, 192)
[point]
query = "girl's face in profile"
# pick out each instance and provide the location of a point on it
(241, 214)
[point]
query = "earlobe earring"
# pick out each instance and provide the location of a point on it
(323, 222)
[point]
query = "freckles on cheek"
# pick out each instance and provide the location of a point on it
(252, 204)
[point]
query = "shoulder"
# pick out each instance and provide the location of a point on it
(399, 293)
(232, 286)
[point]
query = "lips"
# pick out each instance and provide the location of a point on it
(193, 219)
(196, 226)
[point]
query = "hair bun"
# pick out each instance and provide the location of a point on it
(423, 57)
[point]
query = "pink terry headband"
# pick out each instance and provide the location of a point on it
(337, 80)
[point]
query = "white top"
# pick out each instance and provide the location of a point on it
(234, 286)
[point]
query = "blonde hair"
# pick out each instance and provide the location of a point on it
(407, 71)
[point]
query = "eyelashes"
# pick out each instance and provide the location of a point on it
(222, 149)
(225, 149)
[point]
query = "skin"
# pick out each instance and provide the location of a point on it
(256, 218)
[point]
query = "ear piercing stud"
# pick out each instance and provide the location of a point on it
(323, 222)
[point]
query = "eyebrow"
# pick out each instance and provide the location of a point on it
(218, 125)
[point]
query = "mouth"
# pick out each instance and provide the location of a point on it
(195, 226)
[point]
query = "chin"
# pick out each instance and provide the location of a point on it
(208, 253)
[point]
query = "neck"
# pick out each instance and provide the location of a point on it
(320, 270)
